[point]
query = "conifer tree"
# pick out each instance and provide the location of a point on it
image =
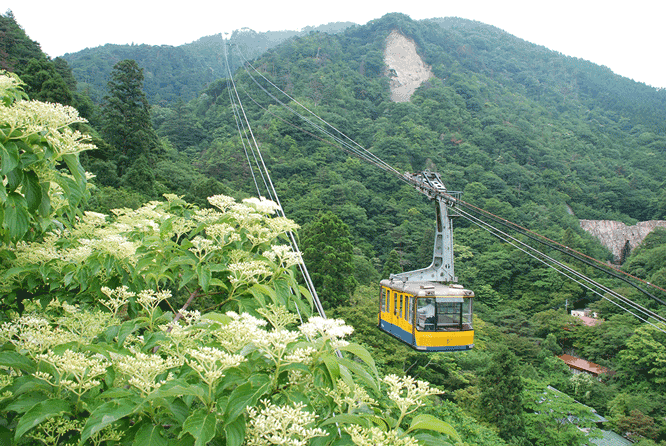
(126, 115)
(328, 254)
(501, 399)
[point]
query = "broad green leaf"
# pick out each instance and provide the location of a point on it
(16, 216)
(430, 440)
(201, 425)
(425, 421)
(31, 190)
(363, 355)
(106, 414)
(150, 435)
(38, 413)
(346, 418)
(246, 395)
(18, 361)
(10, 157)
(235, 432)
(359, 371)
(25, 402)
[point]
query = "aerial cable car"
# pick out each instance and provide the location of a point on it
(426, 309)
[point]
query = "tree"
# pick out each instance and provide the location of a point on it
(329, 254)
(392, 264)
(126, 115)
(501, 398)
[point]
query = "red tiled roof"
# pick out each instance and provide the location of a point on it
(583, 365)
(589, 321)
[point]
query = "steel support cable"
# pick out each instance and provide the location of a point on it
(359, 150)
(588, 260)
(273, 193)
(576, 255)
(545, 259)
(236, 105)
(242, 139)
(573, 279)
(369, 154)
(332, 144)
(636, 306)
(341, 144)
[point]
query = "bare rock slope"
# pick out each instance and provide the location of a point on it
(405, 68)
(615, 235)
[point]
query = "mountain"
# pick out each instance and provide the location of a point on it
(177, 72)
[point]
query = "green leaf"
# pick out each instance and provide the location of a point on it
(31, 190)
(430, 440)
(25, 402)
(201, 425)
(363, 355)
(359, 371)
(16, 216)
(425, 421)
(204, 277)
(235, 432)
(38, 413)
(107, 413)
(17, 361)
(247, 395)
(10, 157)
(346, 418)
(150, 435)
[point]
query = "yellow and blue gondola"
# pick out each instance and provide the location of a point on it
(428, 316)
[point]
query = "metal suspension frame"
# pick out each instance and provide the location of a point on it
(441, 269)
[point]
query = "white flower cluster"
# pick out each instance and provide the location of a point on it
(222, 202)
(202, 246)
(251, 271)
(374, 436)
(34, 335)
(210, 363)
(239, 332)
(328, 329)
(142, 370)
(407, 393)
(150, 299)
(262, 205)
(117, 298)
(283, 255)
(281, 425)
(76, 371)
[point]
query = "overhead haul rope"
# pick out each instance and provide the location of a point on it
(343, 140)
(273, 195)
(551, 262)
(588, 260)
(572, 252)
(366, 155)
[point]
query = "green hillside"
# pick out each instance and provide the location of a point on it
(179, 72)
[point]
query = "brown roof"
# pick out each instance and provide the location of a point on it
(583, 365)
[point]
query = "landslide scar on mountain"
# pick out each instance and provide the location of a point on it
(405, 68)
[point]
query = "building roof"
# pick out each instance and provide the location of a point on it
(583, 365)
(610, 438)
(589, 321)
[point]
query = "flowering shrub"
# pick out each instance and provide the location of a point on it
(34, 138)
(172, 325)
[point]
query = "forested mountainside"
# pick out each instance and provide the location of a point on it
(177, 72)
(533, 136)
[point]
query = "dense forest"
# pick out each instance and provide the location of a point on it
(532, 136)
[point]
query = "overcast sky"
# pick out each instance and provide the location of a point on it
(626, 36)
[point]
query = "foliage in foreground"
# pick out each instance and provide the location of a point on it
(93, 351)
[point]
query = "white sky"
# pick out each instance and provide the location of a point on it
(626, 36)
